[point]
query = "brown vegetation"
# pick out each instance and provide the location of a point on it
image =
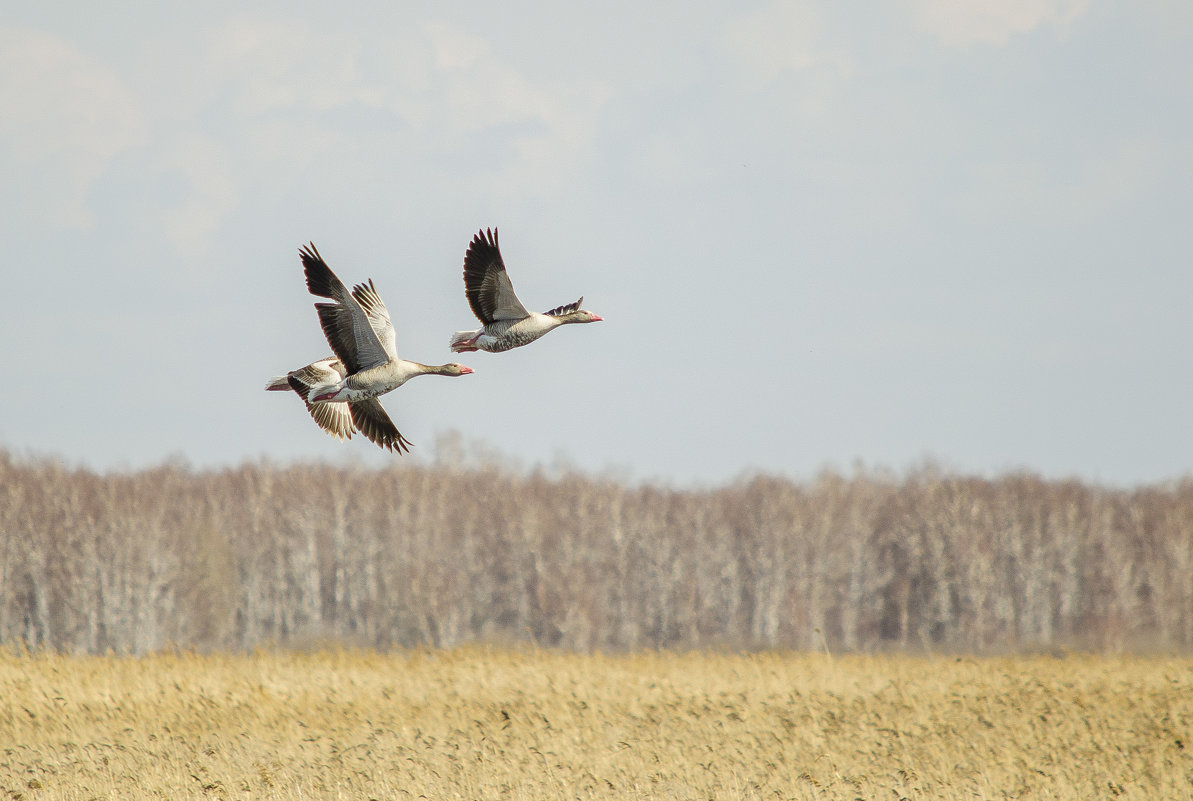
(532, 724)
(136, 562)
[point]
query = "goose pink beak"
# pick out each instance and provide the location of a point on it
(465, 370)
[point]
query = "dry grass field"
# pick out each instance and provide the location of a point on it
(479, 723)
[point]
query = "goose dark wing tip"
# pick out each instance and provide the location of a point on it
(370, 419)
(298, 386)
(321, 281)
(484, 275)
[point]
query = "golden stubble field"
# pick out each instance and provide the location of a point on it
(481, 723)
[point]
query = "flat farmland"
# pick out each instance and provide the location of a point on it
(488, 723)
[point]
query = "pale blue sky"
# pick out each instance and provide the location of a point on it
(819, 232)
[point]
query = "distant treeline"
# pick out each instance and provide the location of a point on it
(441, 555)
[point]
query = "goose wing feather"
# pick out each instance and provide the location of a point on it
(372, 421)
(347, 326)
(486, 282)
(334, 418)
(378, 316)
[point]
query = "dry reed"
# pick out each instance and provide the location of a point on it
(533, 724)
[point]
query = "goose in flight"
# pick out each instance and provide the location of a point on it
(359, 330)
(505, 322)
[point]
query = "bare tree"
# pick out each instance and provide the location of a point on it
(468, 549)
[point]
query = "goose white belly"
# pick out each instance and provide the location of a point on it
(500, 337)
(370, 383)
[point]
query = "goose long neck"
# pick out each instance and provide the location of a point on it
(435, 369)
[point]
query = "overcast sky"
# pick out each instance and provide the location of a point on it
(818, 232)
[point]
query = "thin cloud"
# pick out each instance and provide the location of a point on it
(1086, 190)
(454, 48)
(992, 22)
(281, 64)
(66, 116)
(779, 37)
(437, 88)
(211, 191)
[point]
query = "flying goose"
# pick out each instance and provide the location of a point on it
(359, 330)
(505, 321)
